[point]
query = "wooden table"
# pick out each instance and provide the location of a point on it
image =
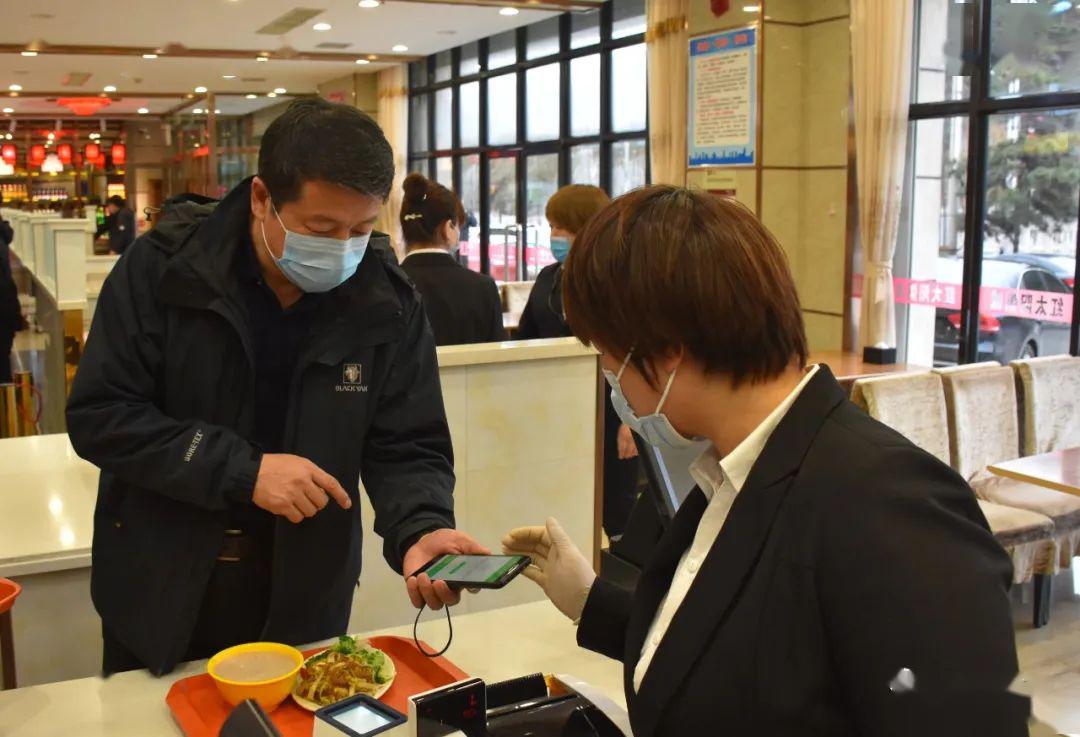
(850, 367)
(1059, 470)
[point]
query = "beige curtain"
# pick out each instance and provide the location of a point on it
(881, 70)
(667, 48)
(394, 120)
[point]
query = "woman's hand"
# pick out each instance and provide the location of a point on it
(627, 446)
(558, 567)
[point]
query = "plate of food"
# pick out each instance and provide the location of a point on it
(346, 668)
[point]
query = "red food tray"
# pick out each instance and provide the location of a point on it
(9, 591)
(200, 711)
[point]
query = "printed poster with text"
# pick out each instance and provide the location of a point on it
(722, 118)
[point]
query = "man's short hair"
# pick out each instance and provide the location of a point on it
(664, 267)
(319, 140)
(117, 200)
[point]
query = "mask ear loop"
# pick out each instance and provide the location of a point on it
(667, 390)
(416, 639)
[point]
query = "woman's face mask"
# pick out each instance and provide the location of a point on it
(655, 429)
(316, 263)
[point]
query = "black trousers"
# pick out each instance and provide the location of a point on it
(233, 611)
(7, 339)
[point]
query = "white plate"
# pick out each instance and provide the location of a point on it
(390, 670)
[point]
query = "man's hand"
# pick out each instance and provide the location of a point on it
(627, 446)
(295, 488)
(422, 590)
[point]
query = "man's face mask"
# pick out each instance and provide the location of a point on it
(316, 263)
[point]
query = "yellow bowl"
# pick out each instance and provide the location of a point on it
(269, 694)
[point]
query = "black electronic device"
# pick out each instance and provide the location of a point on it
(475, 571)
(248, 720)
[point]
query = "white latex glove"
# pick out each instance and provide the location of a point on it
(558, 567)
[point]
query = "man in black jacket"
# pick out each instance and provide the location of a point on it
(11, 317)
(249, 363)
(119, 224)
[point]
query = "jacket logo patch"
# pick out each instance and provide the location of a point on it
(351, 376)
(195, 440)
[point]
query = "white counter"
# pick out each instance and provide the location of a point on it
(493, 645)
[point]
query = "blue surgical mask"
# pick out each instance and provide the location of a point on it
(655, 429)
(560, 247)
(316, 263)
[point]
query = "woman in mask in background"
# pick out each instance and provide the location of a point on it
(567, 212)
(462, 306)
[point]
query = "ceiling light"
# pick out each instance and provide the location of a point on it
(200, 89)
(228, 76)
(29, 53)
(15, 87)
(51, 136)
(217, 112)
(9, 110)
(362, 61)
(261, 58)
(95, 136)
(109, 88)
(509, 11)
(370, 4)
(279, 90)
(321, 27)
(9, 136)
(271, 94)
(400, 48)
(149, 56)
(751, 8)
(197, 111)
(250, 96)
(143, 111)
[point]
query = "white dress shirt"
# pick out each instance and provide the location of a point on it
(425, 250)
(720, 479)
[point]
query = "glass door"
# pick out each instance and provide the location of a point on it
(504, 228)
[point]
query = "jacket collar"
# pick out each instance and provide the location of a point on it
(730, 560)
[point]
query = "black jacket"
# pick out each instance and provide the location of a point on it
(10, 309)
(462, 306)
(163, 404)
(848, 555)
(121, 229)
(543, 313)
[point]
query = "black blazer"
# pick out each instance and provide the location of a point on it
(462, 306)
(543, 313)
(849, 555)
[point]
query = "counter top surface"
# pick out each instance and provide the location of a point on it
(510, 351)
(493, 645)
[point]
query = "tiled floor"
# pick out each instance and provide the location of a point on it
(1050, 656)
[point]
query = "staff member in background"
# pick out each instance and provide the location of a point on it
(249, 363)
(11, 317)
(826, 576)
(462, 306)
(567, 212)
(119, 224)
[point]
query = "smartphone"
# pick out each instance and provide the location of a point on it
(475, 571)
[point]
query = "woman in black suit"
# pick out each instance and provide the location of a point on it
(826, 576)
(462, 306)
(567, 212)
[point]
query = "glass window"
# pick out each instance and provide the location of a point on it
(469, 253)
(502, 110)
(627, 166)
(628, 18)
(541, 182)
(470, 59)
(469, 120)
(585, 96)
(418, 122)
(444, 119)
(444, 172)
(502, 219)
(584, 29)
(419, 165)
(1034, 47)
(940, 74)
(628, 89)
(443, 66)
(585, 164)
(418, 74)
(543, 39)
(542, 102)
(502, 50)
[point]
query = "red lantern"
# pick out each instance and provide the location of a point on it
(64, 152)
(8, 153)
(37, 154)
(92, 152)
(119, 154)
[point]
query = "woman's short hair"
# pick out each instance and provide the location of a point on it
(665, 267)
(573, 205)
(425, 207)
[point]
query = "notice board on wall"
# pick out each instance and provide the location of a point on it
(722, 95)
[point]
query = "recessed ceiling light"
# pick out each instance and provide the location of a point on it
(509, 11)
(228, 76)
(370, 4)
(321, 27)
(271, 94)
(362, 61)
(51, 136)
(200, 89)
(400, 48)
(251, 96)
(751, 8)
(9, 136)
(95, 136)
(217, 112)
(29, 53)
(143, 110)
(197, 111)
(261, 58)
(9, 110)
(279, 90)
(109, 88)
(149, 56)
(15, 87)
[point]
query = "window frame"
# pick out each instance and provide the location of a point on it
(978, 110)
(522, 148)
